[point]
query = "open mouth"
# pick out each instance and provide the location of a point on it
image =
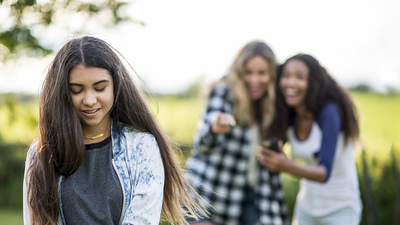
(290, 92)
(91, 111)
(255, 89)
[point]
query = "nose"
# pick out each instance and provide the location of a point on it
(254, 78)
(89, 99)
(290, 81)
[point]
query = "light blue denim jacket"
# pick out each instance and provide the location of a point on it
(138, 164)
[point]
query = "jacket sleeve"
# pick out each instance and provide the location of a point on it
(147, 181)
(205, 142)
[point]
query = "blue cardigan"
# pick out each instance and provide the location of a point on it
(138, 164)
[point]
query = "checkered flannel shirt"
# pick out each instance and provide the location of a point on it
(218, 169)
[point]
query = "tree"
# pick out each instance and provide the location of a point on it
(194, 89)
(362, 88)
(17, 31)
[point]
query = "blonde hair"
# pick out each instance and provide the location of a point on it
(242, 102)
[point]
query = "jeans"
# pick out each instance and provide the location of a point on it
(342, 216)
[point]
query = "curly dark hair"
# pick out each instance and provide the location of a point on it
(322, 89)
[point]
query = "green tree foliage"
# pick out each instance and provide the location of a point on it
(11, 173)
(195, 89)
(362, 88)
(17, 34)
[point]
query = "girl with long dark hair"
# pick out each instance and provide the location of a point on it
(100, 157)
(319, 120)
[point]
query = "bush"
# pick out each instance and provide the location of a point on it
(380, 191)
(11, 173)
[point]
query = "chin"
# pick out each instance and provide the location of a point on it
(255, 97)
(292, 104)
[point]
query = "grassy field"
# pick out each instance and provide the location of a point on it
(379, 121)
(378, 115)
(11, 216)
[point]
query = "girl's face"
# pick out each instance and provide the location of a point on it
(256, 77)
(92, 93)
(293, 82)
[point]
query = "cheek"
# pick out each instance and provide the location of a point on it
(75, 101)
(110, 98)
(264, 80)
(246, 80)
(281, 84)
(304, 86)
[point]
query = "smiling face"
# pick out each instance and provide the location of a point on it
(256, 77)
(92, 93)
(294, 82)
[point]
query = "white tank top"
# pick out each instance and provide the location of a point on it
(340, 190)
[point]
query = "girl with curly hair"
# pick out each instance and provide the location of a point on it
(319, 120)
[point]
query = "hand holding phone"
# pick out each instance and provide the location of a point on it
(271, 143)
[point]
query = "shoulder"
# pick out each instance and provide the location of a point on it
(129, 132)
(220, 89)
(219, 95)
(32, 151)
(329, 110)
(329, 114)
(136, 139)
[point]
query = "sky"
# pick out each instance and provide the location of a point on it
(357, 41)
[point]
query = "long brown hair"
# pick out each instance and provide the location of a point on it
(242, 102)
(59, 147)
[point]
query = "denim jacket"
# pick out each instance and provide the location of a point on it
(138, 164)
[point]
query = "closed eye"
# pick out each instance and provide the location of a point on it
(100, 89)
(75, 92)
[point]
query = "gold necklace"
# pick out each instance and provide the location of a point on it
(98, 136)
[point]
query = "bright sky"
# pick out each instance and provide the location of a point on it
(358, 41)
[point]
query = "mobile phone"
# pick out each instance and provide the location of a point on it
(271, 143)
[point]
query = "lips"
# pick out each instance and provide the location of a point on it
(291, 93)
(255, 90)
(91, 111)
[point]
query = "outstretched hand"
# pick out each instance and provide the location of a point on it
(223, 123)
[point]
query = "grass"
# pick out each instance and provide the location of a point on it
(378, 115)
(379, 120)
(11, 216)
(179, 117)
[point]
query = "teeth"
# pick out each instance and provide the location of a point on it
(91, 111)
(290, 92)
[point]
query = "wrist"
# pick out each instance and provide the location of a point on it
(287, 165)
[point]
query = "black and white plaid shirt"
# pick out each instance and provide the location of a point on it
(218, 169)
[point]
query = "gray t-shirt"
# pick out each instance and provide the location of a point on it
(93, 194)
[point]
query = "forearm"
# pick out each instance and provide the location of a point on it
(314, 173)
(205, 141)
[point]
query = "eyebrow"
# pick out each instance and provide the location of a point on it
(81, 85)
